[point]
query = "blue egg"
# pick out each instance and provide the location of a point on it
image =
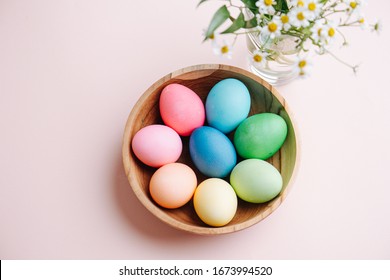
(212, 152)
(227, 104)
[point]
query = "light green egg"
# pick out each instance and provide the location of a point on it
(256, 181)
(260, 136)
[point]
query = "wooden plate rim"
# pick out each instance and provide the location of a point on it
(156, 210)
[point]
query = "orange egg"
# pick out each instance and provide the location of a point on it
(173, 185)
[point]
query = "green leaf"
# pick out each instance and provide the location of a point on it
(251, 5)
(219, 17)
(281, 5)
(251, 23)
(238, 23)
(201, 2)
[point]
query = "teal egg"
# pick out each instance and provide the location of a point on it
(227, 105)
(260, 136)
(256, 181)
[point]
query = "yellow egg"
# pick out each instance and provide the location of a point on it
(215, 202)
(173, 185)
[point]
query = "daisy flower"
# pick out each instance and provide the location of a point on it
(258, 58)
(329, 31)
(285, 19)
(302, 66)
(314, 9)
(213, 38)
(354, 6)
(272, 28)
(362, 22)
(297, 3)
(318, 34)
(223, 49)
(266, 6)
(377, 27)
(299, 17)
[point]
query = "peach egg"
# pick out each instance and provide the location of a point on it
(173, 185)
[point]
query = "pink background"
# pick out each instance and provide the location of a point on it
(70, 72)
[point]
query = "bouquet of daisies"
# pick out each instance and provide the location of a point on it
(311, 23)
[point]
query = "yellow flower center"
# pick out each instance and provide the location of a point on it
(300, 4)
(284, 19)
(319, 31)
(212, 36)
(361, 20)
(300, 16)
(331, 32)
(353, 5)
(268, 2)
(272, 27)
(302, 63)
(312, 6)
(257, 58)
(224, 49)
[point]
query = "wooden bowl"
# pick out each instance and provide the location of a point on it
(201, 78)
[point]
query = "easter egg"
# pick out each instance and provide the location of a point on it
(212, 152)
(256, 181)
(227, 104)
(156, 145)
(215, 202)
(173, 185)
(260, 136)
(181, 109)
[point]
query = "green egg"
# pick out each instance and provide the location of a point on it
(260, 136)
(256, 181)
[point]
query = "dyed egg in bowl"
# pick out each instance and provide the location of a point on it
(201, 79)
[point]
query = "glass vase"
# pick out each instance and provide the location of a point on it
(280, 66)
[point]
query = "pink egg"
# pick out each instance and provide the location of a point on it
(156, 145)
(181, 108)
(173, 185)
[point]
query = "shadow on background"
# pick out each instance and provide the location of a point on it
(162, 240)
(139, 218)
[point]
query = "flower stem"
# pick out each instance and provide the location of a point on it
(353, 67)
(343, 36)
